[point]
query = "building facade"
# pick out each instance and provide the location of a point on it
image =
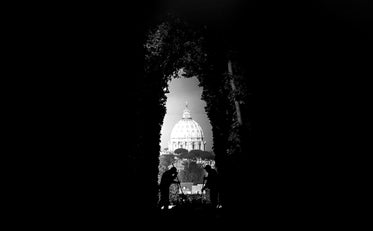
(187, 134)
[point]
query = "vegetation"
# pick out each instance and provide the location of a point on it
(164, 162)
(199, 154)
(192, 172)
(180, 151)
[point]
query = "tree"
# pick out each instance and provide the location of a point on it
(186, 155)
(192, 172)
(204, 155)
(164, 162)
(180, 151)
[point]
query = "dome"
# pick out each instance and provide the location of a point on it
(187, 134)
(187, 128)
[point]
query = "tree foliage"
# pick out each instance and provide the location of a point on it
(180, 151)
(164, 162)
(192, 172)
(172, 45)
(198, 154)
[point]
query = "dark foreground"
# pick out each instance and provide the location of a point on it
(197, 217)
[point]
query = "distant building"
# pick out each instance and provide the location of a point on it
(187, 134)
(206, 162)
(189, 188)
(186, 187)
(197, 189)
(166, 152)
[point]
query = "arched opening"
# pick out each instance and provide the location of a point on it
(174, 44)
(186, 123)
(185, 93)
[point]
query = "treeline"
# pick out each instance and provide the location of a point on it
(194, 154)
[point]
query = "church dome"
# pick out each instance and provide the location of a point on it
(187, 128)
(187, 133)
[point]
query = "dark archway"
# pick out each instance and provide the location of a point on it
(175, 43)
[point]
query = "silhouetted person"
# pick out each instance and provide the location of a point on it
(167, 179)
(212, 184)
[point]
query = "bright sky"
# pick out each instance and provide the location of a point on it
(182, 90)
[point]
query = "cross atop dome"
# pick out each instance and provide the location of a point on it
(186, 113)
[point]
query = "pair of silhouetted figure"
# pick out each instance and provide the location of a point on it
(169, 176)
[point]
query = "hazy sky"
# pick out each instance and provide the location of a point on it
(182, 90)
